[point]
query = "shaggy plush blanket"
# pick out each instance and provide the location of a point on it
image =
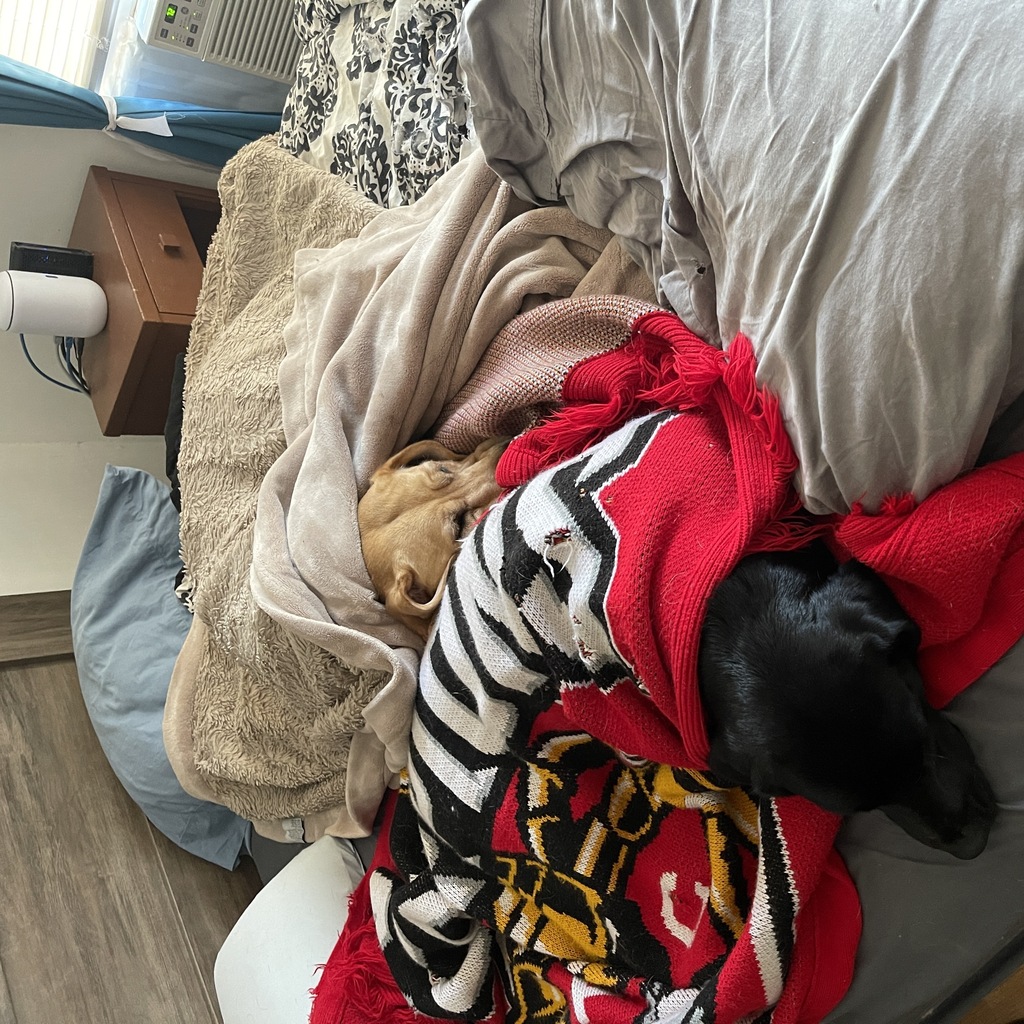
(243, 725)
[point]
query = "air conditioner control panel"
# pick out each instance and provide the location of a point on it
(179, 26)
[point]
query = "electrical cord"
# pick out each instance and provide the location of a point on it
(71, 348)
(61, 353)
(69, 355)
(79, 348)
(52, 380)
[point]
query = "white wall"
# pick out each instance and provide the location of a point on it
(52, 452)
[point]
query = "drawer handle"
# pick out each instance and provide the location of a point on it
(169, 243)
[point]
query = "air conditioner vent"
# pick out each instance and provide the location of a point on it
(255, 36)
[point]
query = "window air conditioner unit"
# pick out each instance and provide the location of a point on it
(253, 36)
(230, 54)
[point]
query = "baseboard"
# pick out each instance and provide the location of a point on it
(35, 626)
(1004, 1005)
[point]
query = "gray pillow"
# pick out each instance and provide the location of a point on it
(127, 627)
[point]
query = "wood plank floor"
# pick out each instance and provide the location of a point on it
(102, 919)
(35, 625)
(1003, 1006)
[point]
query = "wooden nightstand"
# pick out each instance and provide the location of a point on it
(149, 240)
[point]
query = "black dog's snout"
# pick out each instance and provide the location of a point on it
(965, 841)
(952, 807)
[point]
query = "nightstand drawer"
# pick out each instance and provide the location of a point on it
(148, 239)
(169, 257)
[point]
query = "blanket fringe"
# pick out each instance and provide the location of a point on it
(691, 370)
(664, 365)
(356, 985)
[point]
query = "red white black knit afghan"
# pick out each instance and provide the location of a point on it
(557, 820)
(538, 844)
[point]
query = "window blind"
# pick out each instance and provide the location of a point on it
(59, 36)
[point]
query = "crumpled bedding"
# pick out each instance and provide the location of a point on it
(840, 183)
(386, 330)
(291, 698)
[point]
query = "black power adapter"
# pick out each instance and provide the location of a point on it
(50, 259)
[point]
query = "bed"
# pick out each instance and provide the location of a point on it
(401, 262)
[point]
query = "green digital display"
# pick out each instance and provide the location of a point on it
(172, 10)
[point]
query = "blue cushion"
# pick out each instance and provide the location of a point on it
(127, 627)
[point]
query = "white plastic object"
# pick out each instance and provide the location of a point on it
(69, 307)
(268, 963)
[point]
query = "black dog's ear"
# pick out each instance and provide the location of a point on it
(872, 610)
(899, 639)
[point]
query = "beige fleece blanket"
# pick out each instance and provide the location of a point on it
(244, 725)
(292, 699)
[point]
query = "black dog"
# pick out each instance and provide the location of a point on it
(809, 684)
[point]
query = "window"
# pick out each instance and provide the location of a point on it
(59, 36)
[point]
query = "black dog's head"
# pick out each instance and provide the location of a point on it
(809, 685)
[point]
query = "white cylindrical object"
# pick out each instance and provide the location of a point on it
(70, 307)
(268, 964)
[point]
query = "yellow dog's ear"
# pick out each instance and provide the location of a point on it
(409, 601)
(421, 451)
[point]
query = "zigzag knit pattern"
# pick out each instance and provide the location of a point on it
(560, 814)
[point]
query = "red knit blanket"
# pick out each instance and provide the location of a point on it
(955, 561)
(715, 904)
